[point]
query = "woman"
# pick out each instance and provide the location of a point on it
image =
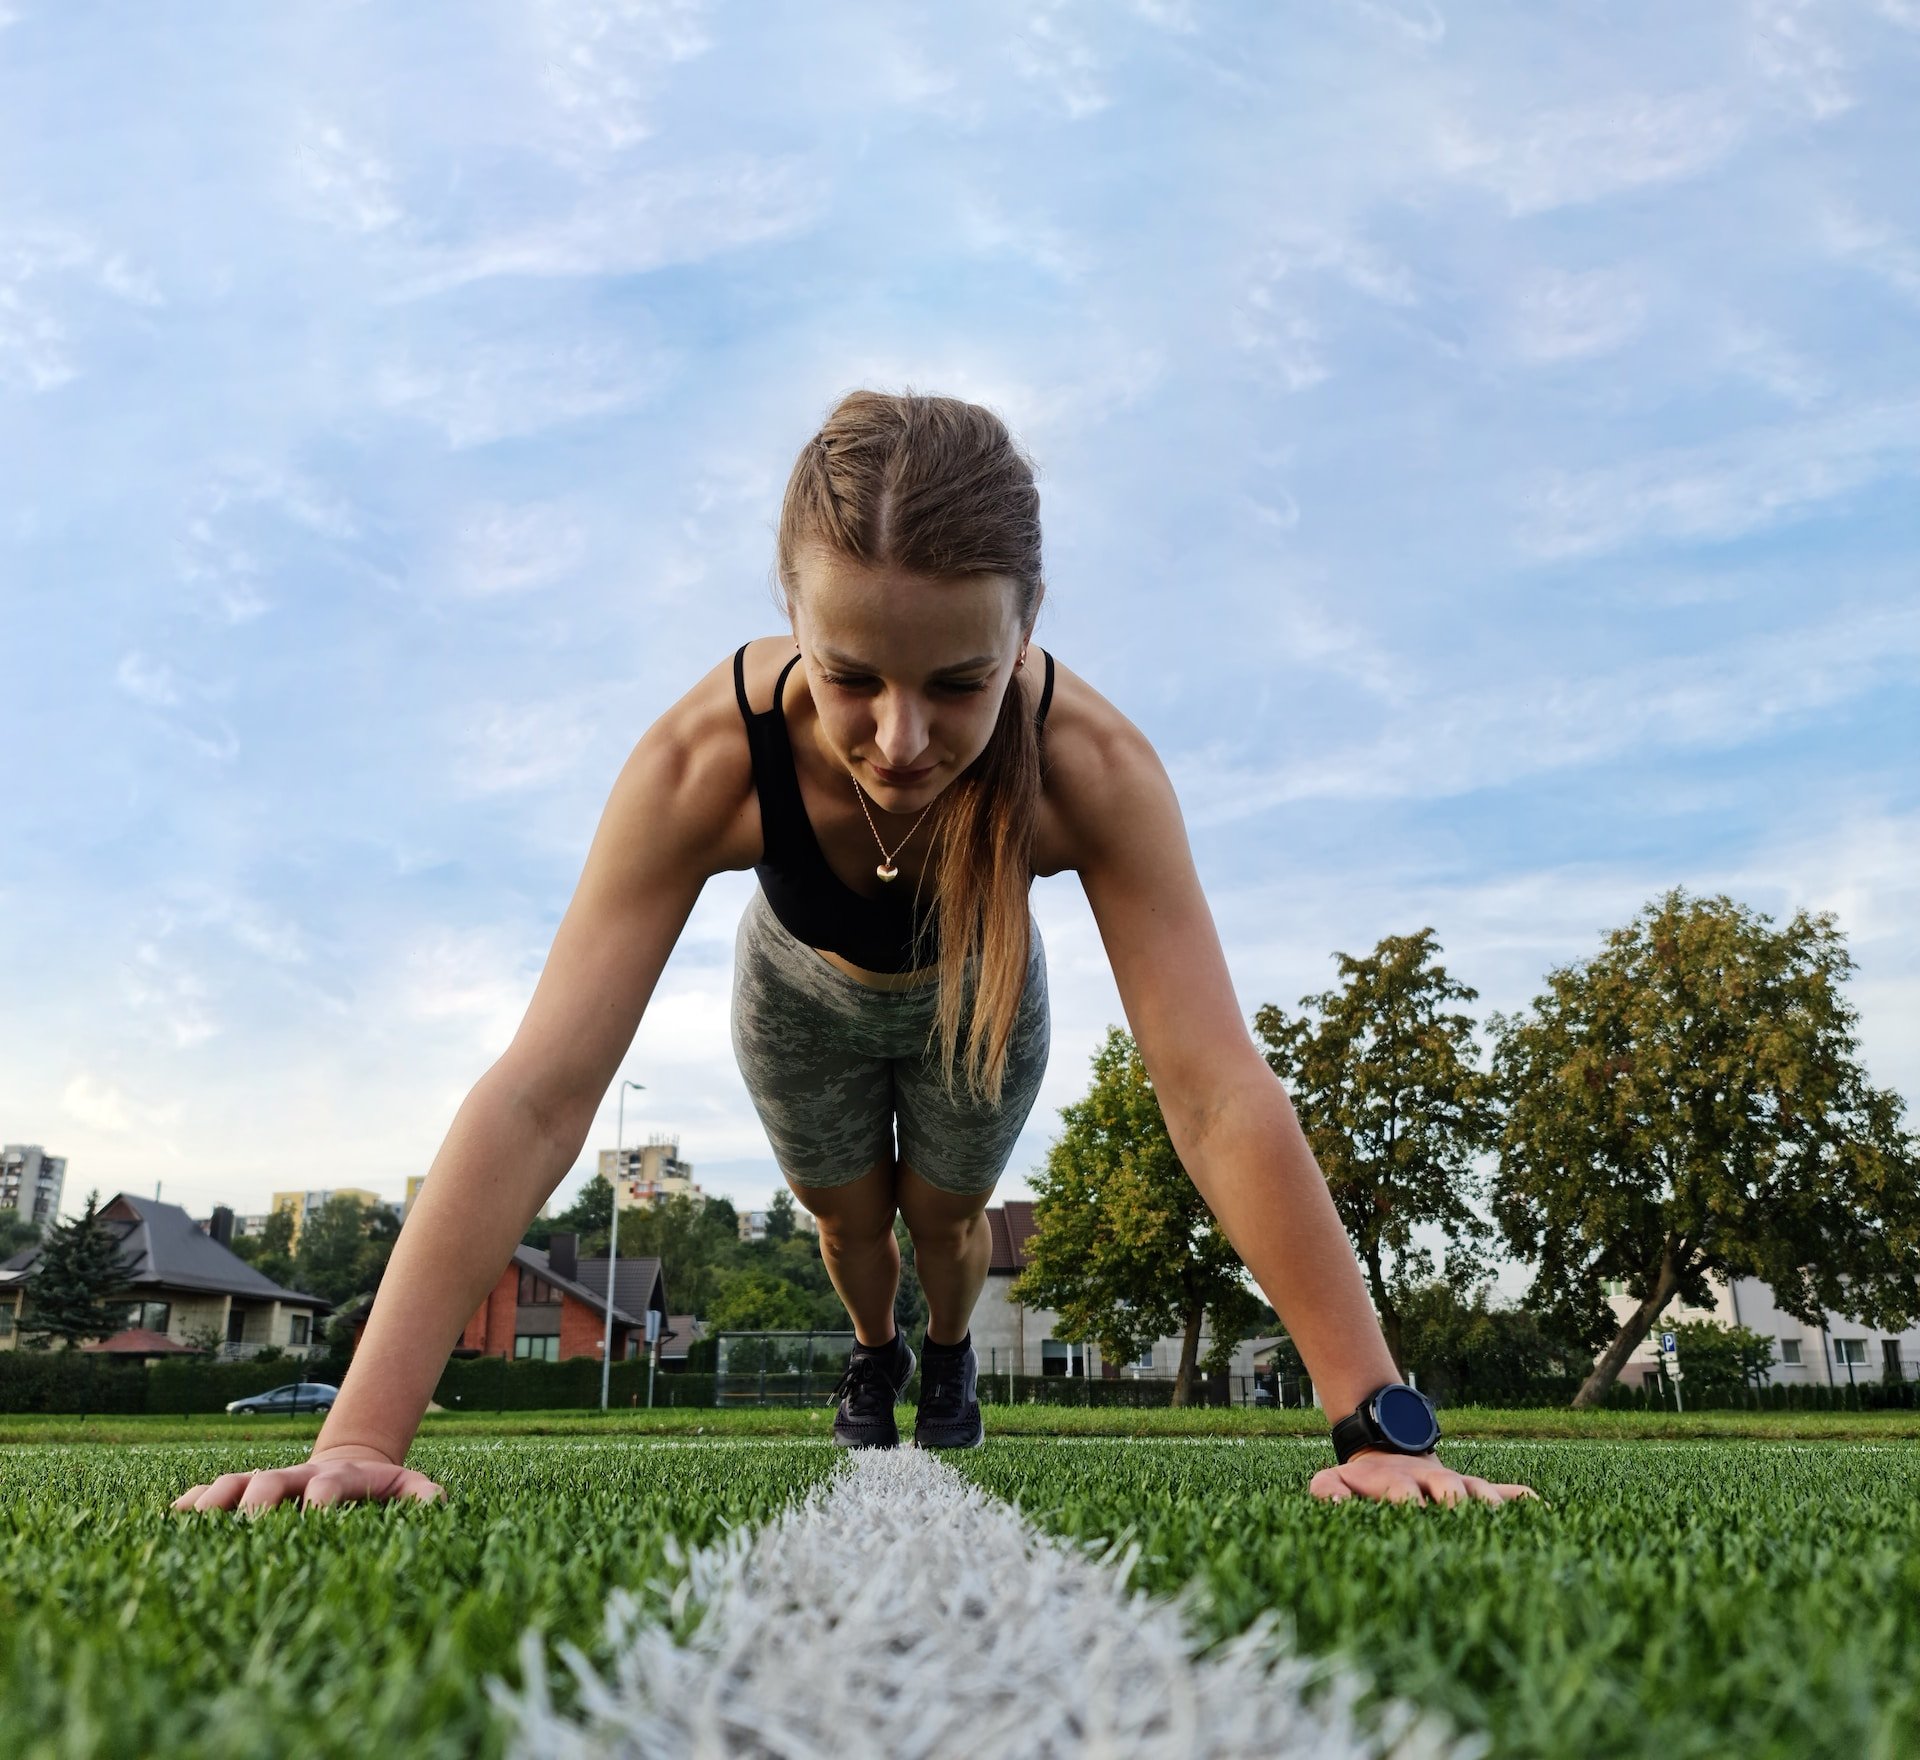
(882, 773)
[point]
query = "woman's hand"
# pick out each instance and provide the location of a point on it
(1407, 1478)
(347, 1474)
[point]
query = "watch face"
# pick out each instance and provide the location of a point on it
(1404, 1416)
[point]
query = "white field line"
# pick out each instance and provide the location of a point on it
(899, 1613)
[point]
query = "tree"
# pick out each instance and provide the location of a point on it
(1465, 1350)
(590, 1216)
(691, 1241)
(909, 1299)
(332, 1260)
(754, 1301)
(75, 1282)
(1685, 1105)
(271, 1251)
(1124, 1248)
(1386, 1089)
(1721, 1359)
(780, 1223)
(16, 1233)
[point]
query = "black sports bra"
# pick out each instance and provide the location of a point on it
(812, 902)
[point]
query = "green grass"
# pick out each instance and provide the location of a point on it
(1681, 1602)
(1480, 1422)
(127, 1629)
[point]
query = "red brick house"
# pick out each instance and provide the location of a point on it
(546, 1306)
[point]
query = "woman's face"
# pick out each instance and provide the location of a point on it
(907, 674)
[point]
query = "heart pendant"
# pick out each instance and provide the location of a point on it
(887, 871)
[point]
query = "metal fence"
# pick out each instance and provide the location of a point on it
(778, 1368)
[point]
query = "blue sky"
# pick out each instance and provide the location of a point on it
(1477, 446)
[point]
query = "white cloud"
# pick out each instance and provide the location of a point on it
(499, 548)
(1754, 352)
(1556, 158)
(147, 681)
(507, 747)
(1876, 246)
(1746, 482)
(485, 391)
(349, 186)
(41, 266)
(635, 223)
(1798, 60)
(170, 996)
(1059, 62)
(1419, 22)
(1562, 314)
(601, 62)
(1478, 737)
(101, 1104)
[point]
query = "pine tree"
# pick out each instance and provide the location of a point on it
(72, 1293)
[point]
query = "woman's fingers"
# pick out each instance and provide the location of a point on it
(312, 1484)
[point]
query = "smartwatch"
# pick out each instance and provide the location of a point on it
(1396, 1417)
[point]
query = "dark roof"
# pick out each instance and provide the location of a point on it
(162, 1247)
(637, 1283)
(681, 1331)
(1009, 1227)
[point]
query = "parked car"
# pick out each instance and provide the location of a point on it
(296, 1396)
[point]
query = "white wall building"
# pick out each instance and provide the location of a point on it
(1009, 1335)
(31, 1182)
(1831, 1354)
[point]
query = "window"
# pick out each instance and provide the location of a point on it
(1144, 1360)
(6, 1319)
(1850, 1350)
(1056, 1358)
(1890, 1360)
(535, 1291)
(300, 1329)
(1651, 1379)
(1614, 1286)
(539, 1347)
(152, 1315)
(1790, 1351)
(236, 1325)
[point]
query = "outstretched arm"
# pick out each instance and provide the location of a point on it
(1229, 1118)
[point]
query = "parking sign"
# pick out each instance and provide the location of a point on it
(1669, 1344)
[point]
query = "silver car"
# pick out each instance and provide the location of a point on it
(296, 1396)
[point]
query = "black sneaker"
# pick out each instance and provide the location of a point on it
(949, 1415)
(866, 1393)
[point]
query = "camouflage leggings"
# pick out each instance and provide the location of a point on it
(831, 1062)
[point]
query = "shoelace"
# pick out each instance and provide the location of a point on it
(942, 1386)
(864, 1386)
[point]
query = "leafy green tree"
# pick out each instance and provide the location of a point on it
(780, 1217)
(1715, 1358)
(271, 1251)
(77, 1291)
(16, 1232)
(332, 1259)
(1464, 1349)
(590, 1216)
(1386, 1089)
(690, 1239)
(1687, 1105)
(748, 1301)
(1124, 1248)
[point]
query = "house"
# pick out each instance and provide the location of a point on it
(1836, 1352)
(180, 1281)
(683, 1331)
(549, 1305)
(1009, 1336)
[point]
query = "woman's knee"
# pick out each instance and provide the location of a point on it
(943, 1223)
(856, 1213)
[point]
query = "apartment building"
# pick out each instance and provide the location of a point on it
(31, 1182)
(647, 1173)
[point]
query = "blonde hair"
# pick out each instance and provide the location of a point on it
(935, 487)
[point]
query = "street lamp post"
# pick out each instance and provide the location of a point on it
(613, 1237)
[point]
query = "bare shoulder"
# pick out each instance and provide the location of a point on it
(695, 758)
(1098, 765)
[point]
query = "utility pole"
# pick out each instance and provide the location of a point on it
(613, 1238)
